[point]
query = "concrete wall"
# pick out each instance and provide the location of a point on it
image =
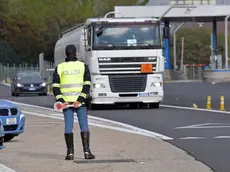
(217, 75)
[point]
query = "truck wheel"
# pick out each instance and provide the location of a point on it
(154, 105)
(8, 138)
(94, 106)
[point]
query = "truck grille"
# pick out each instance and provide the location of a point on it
(124, 65)
(127, 83)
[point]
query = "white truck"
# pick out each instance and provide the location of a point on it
(124, 56)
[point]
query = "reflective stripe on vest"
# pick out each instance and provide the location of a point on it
(71, 79)
(70, 94)
(71, 85)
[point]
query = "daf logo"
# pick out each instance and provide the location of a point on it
(105, 59)
(31, 85)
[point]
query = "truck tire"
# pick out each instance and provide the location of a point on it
(94, 106)
(8, 138)
(154, 105)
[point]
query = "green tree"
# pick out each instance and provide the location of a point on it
(196, 45)
(33, 26)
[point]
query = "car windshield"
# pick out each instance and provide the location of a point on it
(123, 36)
(29, 75)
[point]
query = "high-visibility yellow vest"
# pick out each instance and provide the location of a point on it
(71, 79)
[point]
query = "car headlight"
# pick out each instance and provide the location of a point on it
(19, 85)
(98, 85)
(43, 84)
(156, 84)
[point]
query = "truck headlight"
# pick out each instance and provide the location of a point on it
(156, 84)
(43, 84)
(19, 85)
(98, 85)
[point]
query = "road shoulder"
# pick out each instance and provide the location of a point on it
(41, 148)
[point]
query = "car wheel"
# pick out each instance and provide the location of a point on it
(8, 138)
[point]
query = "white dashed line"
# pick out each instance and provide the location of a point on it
(222, 137)
(191, 138)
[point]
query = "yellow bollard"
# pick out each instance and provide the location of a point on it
(222, 103)
(194, 105)
(209, 102)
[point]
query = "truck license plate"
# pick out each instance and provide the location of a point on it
(11, 121)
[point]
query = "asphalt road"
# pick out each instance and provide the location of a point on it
(185, 94)
(209, 145)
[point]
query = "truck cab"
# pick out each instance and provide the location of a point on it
(125, 59)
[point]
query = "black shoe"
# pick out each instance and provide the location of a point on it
(85, 142)
(70, 146)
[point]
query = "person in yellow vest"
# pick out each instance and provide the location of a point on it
(71, 85)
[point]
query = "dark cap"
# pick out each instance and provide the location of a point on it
(71, 49)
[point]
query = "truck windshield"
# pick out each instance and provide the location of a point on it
(126, 36)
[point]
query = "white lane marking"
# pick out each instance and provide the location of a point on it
(191, 126)
(205, 125)
(202, 138)
(166, 106)
(196, 109)
(4, 168)
(191, 138)
(222, 137)
(162, 105)
(157, 135)
(133, 130)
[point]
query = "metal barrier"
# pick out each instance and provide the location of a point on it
(194, 71)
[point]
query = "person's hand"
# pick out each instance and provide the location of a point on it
(77, 104)
(65, 105)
